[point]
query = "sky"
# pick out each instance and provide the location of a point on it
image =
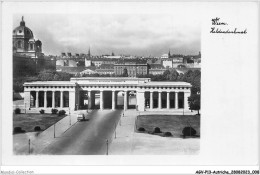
(128, 34)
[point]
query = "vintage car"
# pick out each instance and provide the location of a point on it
(81, 117)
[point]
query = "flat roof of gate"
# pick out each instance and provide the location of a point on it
(109, 79)
(166, 83)
(49, 83)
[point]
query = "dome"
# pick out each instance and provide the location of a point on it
(22, 31)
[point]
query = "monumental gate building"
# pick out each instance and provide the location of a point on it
(106, 93)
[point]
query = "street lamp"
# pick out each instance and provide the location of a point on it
(70, 116)
(88, 102)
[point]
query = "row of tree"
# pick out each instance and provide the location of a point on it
(45, 75)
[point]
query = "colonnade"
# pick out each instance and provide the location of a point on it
(112, 99)
(45, 101)
(48, 94)
(167, 100)
(91, 99)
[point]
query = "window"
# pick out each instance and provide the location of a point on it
(31, 46)
(19, 44)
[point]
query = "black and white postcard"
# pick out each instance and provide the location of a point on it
(170, 84)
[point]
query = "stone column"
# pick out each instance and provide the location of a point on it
(93, 98)
(125, 101)
(113, 100)
(72, 100)
(168, 100)
(27, 99)
(116, 99)
(37, 99)
(45, 99)
(89, 100)
(61, 99)
(186, 102)
(151, 100)
(77, 99)
(160, 100)
(53, 99)
(101, 100)
(140, 101)
(176, 100)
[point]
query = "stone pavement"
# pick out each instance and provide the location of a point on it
(122, 144)
(39, 141)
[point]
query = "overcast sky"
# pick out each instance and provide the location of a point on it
(135, 34)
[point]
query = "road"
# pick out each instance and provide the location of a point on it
(88, 137)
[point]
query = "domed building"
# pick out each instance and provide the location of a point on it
(24, 42)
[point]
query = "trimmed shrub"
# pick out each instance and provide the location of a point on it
(18, 130)
(42, 111)
(62, 112)
(167, 134)
(157, 130)
(54, 111)
(141, 129)
(17, 111)
(188, 131)
(37, 128)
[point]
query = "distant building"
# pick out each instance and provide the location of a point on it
(28, 58)
(60, 62)
(113, 57)
(70, 70)
(87, 62)
(156, 69)
(24, 42)
(88, 72)
(167, 63)
(105, 69)
(165, 56)
(133, 69)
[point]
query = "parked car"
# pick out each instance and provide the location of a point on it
(81, 117)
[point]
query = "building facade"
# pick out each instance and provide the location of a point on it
(72, 95)
(24, 42)
(133, 69)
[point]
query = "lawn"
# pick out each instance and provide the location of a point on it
(28, 121)
(169, 123)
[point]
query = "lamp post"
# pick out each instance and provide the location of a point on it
(107, 147)
(54, 131)
(88, 103)
(70, 116)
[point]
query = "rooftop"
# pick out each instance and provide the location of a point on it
(49, 83)
(166, 83)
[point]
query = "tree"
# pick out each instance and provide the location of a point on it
(188, 76)
(49, 75)
(46, 75)
(61, 76)
(173, 76)
(194, 102)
